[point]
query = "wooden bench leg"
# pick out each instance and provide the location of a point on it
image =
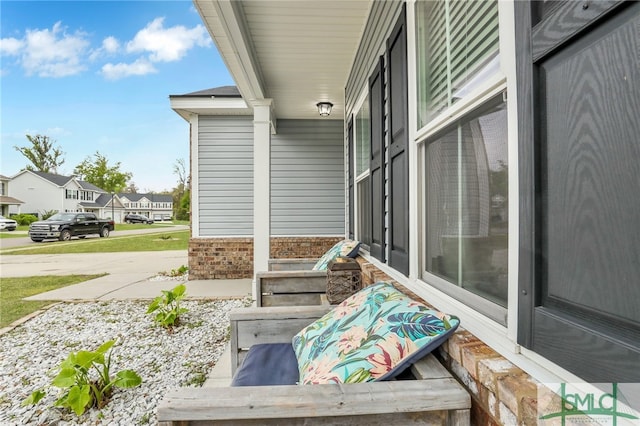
(459, 418)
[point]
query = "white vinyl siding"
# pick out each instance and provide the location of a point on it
(307, 178)
(225, 176)
(38, 194)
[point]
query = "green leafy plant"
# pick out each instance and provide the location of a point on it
(24, 219)
(77, 380)
(46, 214)
(179, 271)
(167, 306)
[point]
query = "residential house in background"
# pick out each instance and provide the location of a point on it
(486, 158)
(44, 192)
(5, 200)
(155, 206)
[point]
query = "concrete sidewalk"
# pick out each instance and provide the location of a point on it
(129, 275)
(138, 286)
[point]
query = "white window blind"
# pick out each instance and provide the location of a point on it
(363, 139)
(456, 40)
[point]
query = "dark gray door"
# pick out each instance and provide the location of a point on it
(579, 111)
(398, 149)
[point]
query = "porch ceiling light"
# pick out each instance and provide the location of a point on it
(324, 108)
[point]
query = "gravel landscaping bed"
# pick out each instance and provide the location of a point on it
(165, 360)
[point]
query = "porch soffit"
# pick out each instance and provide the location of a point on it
(297, 53)
(208, 105)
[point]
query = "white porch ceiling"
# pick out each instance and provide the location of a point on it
(297, 53)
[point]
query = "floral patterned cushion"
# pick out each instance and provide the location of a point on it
(348, 248)
(373, 335)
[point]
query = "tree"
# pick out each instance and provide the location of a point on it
(131, 188)
(99, 173)
(182, 212)
(43, 155)
(180, 170)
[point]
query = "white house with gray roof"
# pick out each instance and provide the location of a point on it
(5, 199)
(155, 206)
(43, 192)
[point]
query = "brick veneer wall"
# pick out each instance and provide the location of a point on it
(501, 393)
(232, 258)
(220, 258)
(301, 247)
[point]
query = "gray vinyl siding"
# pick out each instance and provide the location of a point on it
(373, 44)
(225, 176)
(307, 178)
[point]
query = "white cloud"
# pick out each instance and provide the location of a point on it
(121, 70)
(167, 44)
(11, 46)
(110, 44)
(53, 53)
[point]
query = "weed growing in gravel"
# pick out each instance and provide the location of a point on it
(145, 419)
(177, 272)
(80, 389)
(196, 324)
(71, 345)
(168, 306)
(197, 380)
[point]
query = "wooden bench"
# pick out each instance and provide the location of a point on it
(292, 264)
(290, 282)
(434, 397)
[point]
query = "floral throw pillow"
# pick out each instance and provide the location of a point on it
(348, 248)
(373, 335)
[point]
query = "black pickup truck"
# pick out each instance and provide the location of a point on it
(63, 226)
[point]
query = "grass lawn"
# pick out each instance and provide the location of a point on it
(12, 234)
(156, 225)
(13, 290)
(170, 240)
(16, 233)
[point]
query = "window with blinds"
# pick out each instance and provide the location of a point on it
(457, 42)
(363, 140)
(363, 184)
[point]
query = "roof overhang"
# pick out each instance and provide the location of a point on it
(187, 106)
(5, 200)
(296, 53)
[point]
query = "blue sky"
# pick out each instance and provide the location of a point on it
(97, 75)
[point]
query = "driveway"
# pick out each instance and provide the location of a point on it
(143, 264)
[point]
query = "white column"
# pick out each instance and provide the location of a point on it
(261, 184)
(194, 174)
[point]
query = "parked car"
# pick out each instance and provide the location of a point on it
(63, 226)
(137, 218)
(8, 224)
